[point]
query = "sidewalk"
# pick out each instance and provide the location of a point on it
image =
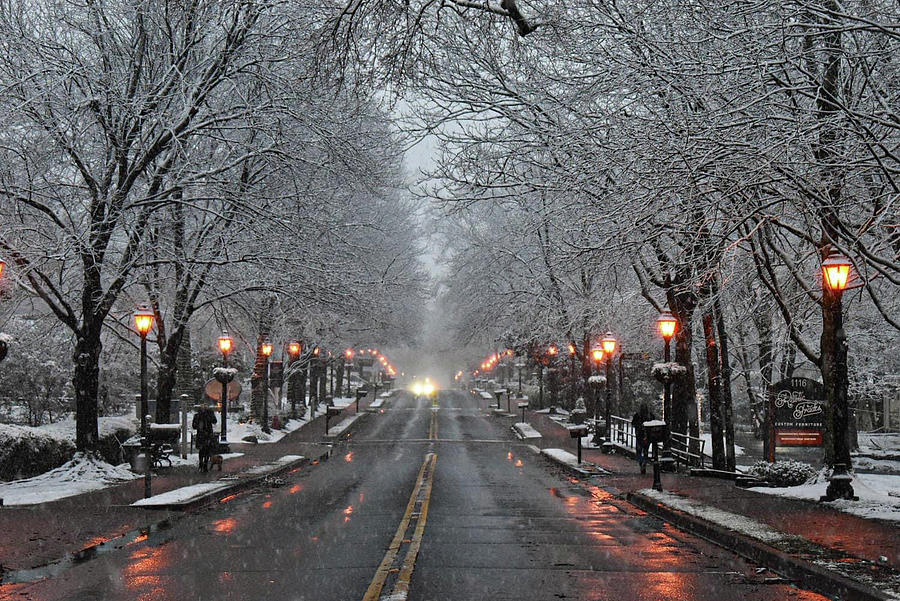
(865, 550)
(35, 535)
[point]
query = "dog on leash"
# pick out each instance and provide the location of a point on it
(215, 460)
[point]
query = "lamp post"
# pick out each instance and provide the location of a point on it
(349, 363)
(667, 324)
(836, 275)
(226, 344)
(294, 349)
(609, 348)
(597, 358)
(266, 350)
(143, 322)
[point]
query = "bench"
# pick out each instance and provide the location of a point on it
(162, 440)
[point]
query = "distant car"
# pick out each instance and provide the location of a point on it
(426, 388)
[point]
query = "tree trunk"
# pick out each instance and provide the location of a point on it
(725, 364)
(86, 380)
(715, 393)
(340, 374)
(684, 391)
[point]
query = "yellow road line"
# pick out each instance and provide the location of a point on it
(401, 587)
(373, 593)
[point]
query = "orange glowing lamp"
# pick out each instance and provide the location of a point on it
(667, 324)
(266, 348)
(316, 351)
(609, 344)
(571, 349)
(349, 353)
(226, 343)
(143, 320)
(294, 349)
(2, 265)
(836, 272)
(597, 355)
(552, 350)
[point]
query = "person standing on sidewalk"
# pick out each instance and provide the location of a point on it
(641, 443)
(203, 422)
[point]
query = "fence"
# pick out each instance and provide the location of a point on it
(681, 449)
(622, 432)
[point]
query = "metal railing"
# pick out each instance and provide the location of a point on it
(622, 432)
(681, 446)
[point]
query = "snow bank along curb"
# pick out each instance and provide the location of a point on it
(376, 404)
(525, 431)
(751, 539)
(337, 430)
(568, 461)
(196, 495)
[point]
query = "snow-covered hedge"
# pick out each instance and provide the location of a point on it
(783, 473)
(27, 452)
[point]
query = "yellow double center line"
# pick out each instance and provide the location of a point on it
(420, 498)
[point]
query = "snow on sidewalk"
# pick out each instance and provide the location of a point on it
(188, 494)
(525, 430)
(726, 519)
(561, 456)
(341, 427)
(83, 473)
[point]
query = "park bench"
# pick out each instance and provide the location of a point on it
(162, 439)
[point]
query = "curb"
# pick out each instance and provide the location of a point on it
(332, 438)
(809, 576)
(578, 471)
(238, 486)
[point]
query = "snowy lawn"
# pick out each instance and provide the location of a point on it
(707, 448)
(879, 495)
(81, 474)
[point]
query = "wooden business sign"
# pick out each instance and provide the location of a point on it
(798, 406)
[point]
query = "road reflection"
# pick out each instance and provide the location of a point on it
(143, 574)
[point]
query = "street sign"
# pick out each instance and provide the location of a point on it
(213, 390)
(798, 406)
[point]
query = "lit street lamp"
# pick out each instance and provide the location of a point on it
(226, 344)
(835, 277)
(348, 354)
(667, 324)
(294, 349)
(143, 322)
(266, 350)
(609, 348)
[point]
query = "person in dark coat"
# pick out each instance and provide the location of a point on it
(204, 419)
(641, 442)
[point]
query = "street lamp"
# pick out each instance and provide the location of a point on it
(667, 324)
(2, 266)
(266, 350)
(836, 275)
(609, 348)
(349, 363)
(143, 322)
(294, 349)
(226, 344)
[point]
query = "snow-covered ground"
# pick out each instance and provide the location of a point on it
(707, 448)
(79, 475)
(64, 429)
(879, 495)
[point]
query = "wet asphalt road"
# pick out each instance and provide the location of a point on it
(474, 515)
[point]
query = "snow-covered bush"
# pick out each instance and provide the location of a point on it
(26, 452)
(783, 473)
